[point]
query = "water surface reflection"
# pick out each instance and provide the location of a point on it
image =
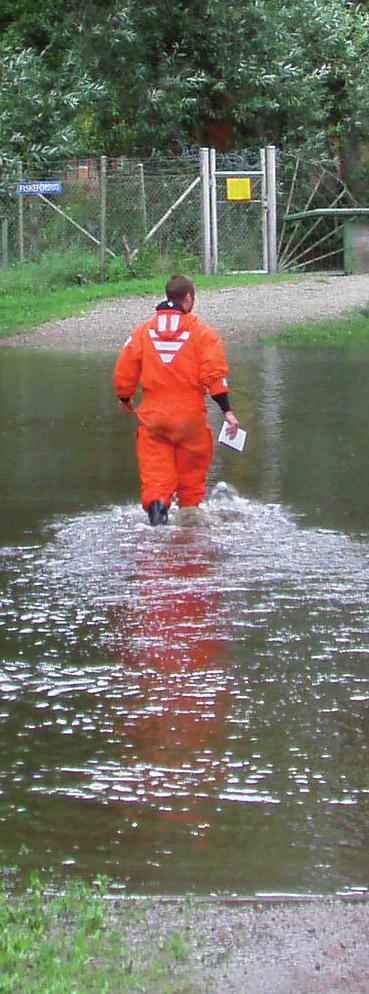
(187, 708)
(187, 692)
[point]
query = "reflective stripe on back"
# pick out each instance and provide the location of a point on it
(167, 348)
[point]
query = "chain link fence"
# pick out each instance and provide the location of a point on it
(143, 218)
(240, 222)
(119, 204)
(123, 215)
(146, 217)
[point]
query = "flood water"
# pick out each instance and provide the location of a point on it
(187, 708)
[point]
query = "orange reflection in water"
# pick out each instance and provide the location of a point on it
(172, 636)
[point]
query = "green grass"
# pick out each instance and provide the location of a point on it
(352, 327)
(33, 293)
(71, 943)
(64, 284)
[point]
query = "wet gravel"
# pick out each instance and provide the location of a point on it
(313, 947)
(246, 312)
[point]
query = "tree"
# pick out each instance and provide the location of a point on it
(293, 72)
(37, 109)
(117, 76)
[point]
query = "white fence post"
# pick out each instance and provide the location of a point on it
(213, 211)
(143, 197)
(264, 210)
(205, 212)
(271, 199)
(4, 242)
(103, 217)
(20, 215)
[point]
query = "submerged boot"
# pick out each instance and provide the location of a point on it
(158, 512)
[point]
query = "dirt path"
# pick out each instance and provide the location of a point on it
(246, 312)
(317, 947)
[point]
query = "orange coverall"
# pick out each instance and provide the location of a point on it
(177, 359)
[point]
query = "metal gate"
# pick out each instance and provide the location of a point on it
(239, 229)
(315, 208)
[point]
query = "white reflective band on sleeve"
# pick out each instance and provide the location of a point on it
(225, 382)
(185, 335)
(127, 342)
(152, 333)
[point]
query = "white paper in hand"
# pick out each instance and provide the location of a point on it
(238, 442)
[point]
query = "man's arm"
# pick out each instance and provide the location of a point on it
(127, 369)
(233, 424)
(223, 400)
(213, 370)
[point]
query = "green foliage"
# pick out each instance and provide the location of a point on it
(67, 943)
(52, 270)
(351, 329)
(32, 293)
(287, 72)
(176, 945)
(125, 77)
(38, 108)
(78, 267)
(55, 945)
(177, 258)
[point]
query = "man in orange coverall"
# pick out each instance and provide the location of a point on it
(177, 359)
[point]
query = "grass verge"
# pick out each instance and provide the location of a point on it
(352, 327)
(33, 293)
(71, 944)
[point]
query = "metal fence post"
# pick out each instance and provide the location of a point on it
(103, 217)
(143, 197)
(205, 210)
(20, 215)
(213, 211)
(4, 242)
(271, 196)
(264, 210)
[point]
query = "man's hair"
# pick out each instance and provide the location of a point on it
(177, 288)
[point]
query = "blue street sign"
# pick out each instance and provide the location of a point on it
(48, 187)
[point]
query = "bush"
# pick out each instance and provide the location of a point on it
(73, 266)
(53, 269)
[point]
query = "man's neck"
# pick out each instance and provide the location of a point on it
(170, 305)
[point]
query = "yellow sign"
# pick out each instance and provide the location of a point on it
(238, 188)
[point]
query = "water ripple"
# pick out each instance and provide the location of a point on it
(214, 666)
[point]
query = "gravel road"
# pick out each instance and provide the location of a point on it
(317, 947)
(245, 312)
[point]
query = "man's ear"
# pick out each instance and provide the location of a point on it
(188, 302)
